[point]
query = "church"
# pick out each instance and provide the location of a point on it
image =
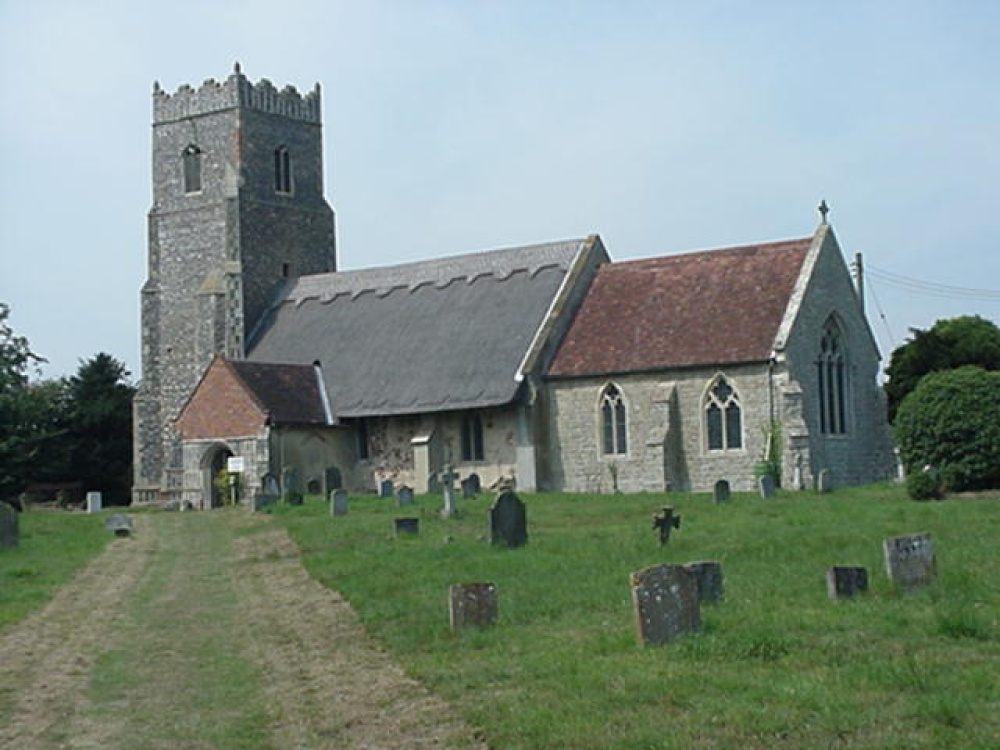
(550, 366)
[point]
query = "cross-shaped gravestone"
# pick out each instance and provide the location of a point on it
(664, 521)
(448, 476)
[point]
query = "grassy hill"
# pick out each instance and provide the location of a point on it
(777, 664)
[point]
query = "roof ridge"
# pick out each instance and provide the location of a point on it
(729, 250)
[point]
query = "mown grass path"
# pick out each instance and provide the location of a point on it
(204, 631)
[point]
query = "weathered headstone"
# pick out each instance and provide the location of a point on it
(120, 524)
(823, 483)
(469, 488)
(407, 526)
(708, 580)
(338, 503)
(405, 496)
(334, 479)
(475, 482)
(909, 560)
(472, 605)
(846, 582)
(766, 486)
(665, 598)
(385, 488)
(448, 476)
(664, 521)
(721, 492)
(269, 486)
(508, 520)
(93, 502)
(10, 530)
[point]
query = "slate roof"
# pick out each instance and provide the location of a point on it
(711, 307)
(436, 335)
(288, 394)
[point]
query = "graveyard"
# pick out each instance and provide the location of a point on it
(525, 621)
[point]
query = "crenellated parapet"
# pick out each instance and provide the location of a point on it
(236, 91)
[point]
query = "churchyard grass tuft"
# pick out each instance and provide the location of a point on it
(776, 663)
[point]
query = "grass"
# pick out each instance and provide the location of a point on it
(53, 547)
(776, 664)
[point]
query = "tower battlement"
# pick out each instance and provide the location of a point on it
(236, 91)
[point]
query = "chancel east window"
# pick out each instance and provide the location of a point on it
(282, 170)
(191, 160)
(614, 423)
(831, 378)
(472, 437)
(723, 417)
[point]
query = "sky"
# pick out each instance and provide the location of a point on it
(456, 126)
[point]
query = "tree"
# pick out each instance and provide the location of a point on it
(100, 424)
(951, 423)
(948, 344)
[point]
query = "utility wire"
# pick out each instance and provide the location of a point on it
(930, 288)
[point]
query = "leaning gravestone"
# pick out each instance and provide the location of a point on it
(405, 496)
(665, 598)
(338, 503)
(508, 520)
(708, 580)
(909, 560)
(10, 530)
(721, 492)
(846, 582)
(472, 605)
(766, 486)
(93, 502)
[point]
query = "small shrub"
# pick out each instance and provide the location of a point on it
(923, 485)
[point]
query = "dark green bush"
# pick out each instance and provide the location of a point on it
(923, 485)
(951, 421)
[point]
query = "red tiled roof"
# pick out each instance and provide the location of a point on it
(711, 307)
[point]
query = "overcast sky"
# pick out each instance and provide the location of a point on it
(468, 125)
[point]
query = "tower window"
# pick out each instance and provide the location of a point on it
(192, 169)
(614, 422)
(723, 417)
(832, 382)
(282, 170)
(472, 437)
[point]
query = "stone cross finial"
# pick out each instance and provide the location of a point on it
(823, 210)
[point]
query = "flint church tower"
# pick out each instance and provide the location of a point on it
(238, 208)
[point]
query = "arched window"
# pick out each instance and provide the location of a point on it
(191, 159)
(723, 417)
(832, 381)
(614, 422)
(282, 170)
(472, 437)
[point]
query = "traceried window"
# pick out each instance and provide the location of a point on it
(191, 160)
(832, 380)
(282, 170)
(723, 417)
(614, 422)
(472, 437)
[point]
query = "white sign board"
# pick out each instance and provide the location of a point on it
(234, 464)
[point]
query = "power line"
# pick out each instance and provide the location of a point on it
(931, 288)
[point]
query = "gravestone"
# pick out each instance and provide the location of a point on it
(269, 486)
(508, 520)
(846, 582)
(476, 482)
(469, 488)
(766, 486)
(93, 502)
(664, 521)
(448, 476)
(261, 501)
(290, 485)
(665, 599)
(385, 488)
(10, 530)
(120, 524)
(708, 581)
(334, 479)
(823, 483)
(314, 487)
(909, 560)
(405, 496)
(407, 526)
(472, 605)
(338, 503)
(721, 492)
